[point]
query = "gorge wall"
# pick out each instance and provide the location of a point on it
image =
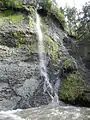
(21, 85)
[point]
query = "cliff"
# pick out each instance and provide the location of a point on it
(21, 85)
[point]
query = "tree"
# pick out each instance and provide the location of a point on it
(84, 23)
(71, 20)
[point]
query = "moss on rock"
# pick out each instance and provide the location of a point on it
(16, 18)
(51, 48)
(32, 24)
(58, 14)
(17, 5)
(54, 10)
(72, 88)
(68, 65)
(11, 17)
(11, 3)
(29, 8)
(20, 38)
(33, 48)
(22, 41)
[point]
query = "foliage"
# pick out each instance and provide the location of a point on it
(71, 20)
(72, 87)
(54, 10)
(83, 30)
(58, 14)
(51, 48)
(20, 38)
(78, 23)
(16, 18)
(46, 3)
(10, 16)
(69, 64)
(11, 3)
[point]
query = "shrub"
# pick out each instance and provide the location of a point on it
(72, 88)
(11, 3)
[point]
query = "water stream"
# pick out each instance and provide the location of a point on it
(48, 112)
(43, 70)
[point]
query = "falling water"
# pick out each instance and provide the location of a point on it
(47, 85)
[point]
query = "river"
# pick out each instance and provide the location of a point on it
(48, 112)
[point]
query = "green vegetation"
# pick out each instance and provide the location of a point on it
(16, 4)
(72, 88)
(51, 48)
(32, 24)
(52, 9)
(71, 17)
(83, 30)
(58, 14)
(78, 23)
(11, 3)
(4, 16)
(29, 8)
(69, 64)
(10, 16)
(33, 47)
(16, 18)
(32, 44)
(20, 38)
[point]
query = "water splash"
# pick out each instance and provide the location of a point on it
(10, 114)
(47, 85)
(47, 112)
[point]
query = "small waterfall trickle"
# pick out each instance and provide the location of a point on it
(43, 70)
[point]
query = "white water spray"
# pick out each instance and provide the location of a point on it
(10, 114)
(47, 85)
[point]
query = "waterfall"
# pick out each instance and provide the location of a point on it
(43, 70)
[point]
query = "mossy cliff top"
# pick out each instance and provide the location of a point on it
(52, 9)
(16, 3)
(29, 5)
(10, 3)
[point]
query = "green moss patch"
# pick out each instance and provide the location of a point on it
(16, 18)
(51, 48)
(68, 64)
(32, 24)
(11, 3)
(20, 38)
(33, 47)
(22, 42)
(29, 8)
(11, 17)
(4, 16)
(54, 10)
(72, 88)
(57, 13)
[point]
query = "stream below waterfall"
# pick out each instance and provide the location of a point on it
(49, 112)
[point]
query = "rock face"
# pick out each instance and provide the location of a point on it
(21, 85)
(18, 78)
(79, 91)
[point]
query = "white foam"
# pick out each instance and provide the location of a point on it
(11, 114)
